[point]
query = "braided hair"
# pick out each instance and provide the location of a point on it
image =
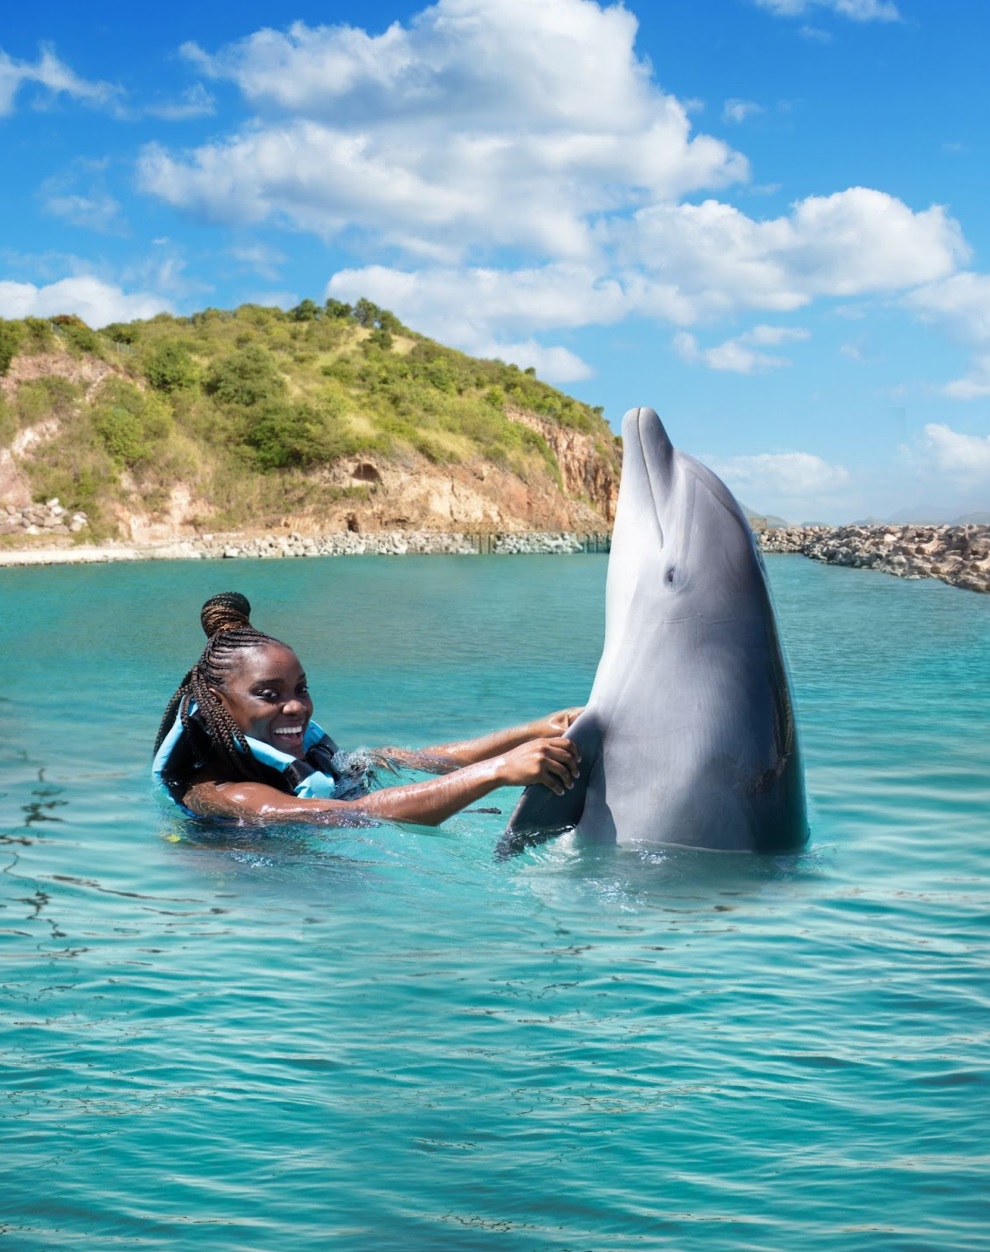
(226, 619)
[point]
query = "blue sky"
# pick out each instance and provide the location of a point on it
(765, 218)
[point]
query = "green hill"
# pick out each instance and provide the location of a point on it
(249, 409)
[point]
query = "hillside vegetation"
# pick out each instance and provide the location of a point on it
(248, 409)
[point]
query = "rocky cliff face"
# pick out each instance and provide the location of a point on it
(382, 495)
(589, 471)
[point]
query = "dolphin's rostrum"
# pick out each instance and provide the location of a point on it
(688, 736)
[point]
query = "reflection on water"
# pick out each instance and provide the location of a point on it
(378, 1036)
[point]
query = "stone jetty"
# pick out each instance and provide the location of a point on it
(958, 555)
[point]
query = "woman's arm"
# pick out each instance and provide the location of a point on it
(552, 762)
(450, 756)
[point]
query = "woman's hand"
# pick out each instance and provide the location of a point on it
(558, 722)
(450, 756)
(552, 762)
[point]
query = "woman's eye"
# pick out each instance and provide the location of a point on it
(267, 694)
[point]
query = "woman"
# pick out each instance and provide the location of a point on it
(237, 741)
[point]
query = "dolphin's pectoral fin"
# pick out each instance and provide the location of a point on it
(513, 842)
(541, 813)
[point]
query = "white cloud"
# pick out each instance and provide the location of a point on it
(718, 260)
(857, 10)
(473, 126)
(788, 476)
(456, 53)
(975, 385)
(480, 310)
(739, 355)
(965, 457)
(467, 141)
(261, 257)
(98, 211)
(50, 74)
(95, 301)
(79, 195)
(961, 302)
(556, 364)
(195, 101)
(739, 110)
(479, 299)
(766, 335)
(684, 264)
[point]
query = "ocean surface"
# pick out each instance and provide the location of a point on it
(385, 1038)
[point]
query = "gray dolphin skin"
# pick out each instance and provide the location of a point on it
(688, 736)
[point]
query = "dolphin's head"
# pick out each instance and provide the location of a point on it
(681, 540)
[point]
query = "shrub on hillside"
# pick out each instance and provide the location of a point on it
(169, 366)
(342, 368)
(8, 422)
(44, 398)
(11, 334)
(380, 338)
(78, 336)
(122, 332)
(258, 314)
(299, 435)
(38, 335)
(245, 378)
(131, 424)
(203, 318)
(305, 311)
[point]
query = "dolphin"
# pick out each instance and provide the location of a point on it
(689, 735)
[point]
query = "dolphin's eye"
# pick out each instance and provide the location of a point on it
(670, 578)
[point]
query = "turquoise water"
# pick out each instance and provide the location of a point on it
(385, 1038)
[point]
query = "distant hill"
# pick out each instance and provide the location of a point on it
(762, 521)
(926, 515)
(326, 416)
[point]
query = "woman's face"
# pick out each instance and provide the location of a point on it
(267, 697)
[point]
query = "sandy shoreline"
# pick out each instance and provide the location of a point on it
(958, 555)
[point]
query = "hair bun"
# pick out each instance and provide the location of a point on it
(226, 611)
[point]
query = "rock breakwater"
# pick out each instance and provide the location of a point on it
(958, 555)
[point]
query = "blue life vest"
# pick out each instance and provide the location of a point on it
(181, 752)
